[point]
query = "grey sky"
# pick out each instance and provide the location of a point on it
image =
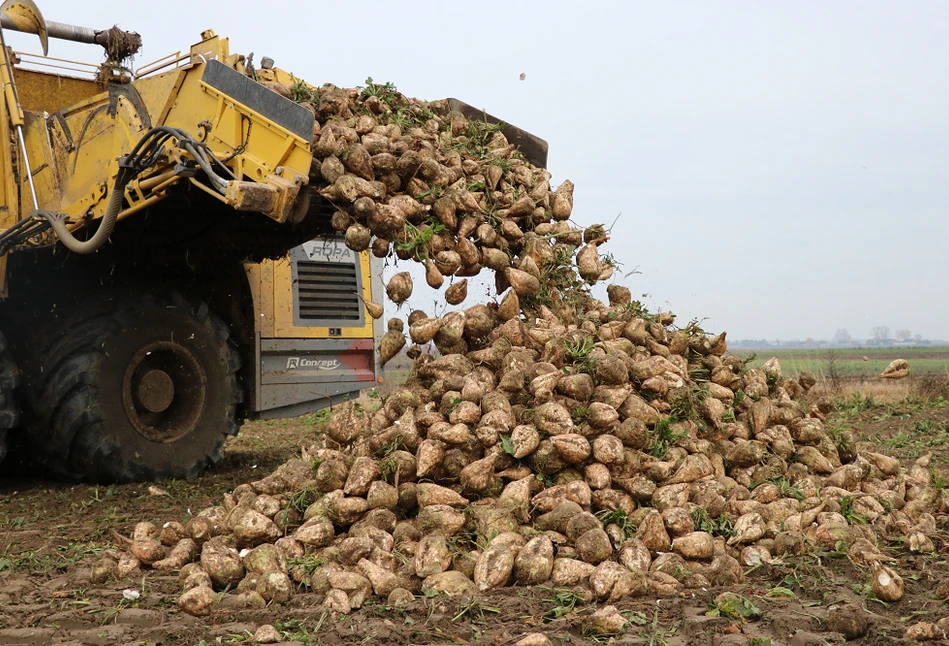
(781, 169)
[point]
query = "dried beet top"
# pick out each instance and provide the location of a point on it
(555, 439)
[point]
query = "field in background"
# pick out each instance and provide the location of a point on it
(860, 363)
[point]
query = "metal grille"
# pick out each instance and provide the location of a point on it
(327, 291)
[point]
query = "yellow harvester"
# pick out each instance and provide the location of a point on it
(164, 272)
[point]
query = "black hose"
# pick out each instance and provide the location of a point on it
(23, 231)
(202, 159)
(143, 155)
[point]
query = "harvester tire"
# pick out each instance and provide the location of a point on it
(138, 387)
(9, 380)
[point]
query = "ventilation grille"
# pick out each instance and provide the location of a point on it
(327, 291)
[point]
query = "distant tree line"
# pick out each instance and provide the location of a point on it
(879, 335)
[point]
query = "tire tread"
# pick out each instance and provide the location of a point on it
(66, 437)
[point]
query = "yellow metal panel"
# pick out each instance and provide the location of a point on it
(264, 298)
(92, 135)
(158, 93)
(41, 163)
(44, 92)
(9, 204)
(10, 159)
(88, 136)
(282, 294)
(211, 46)
(270, 146)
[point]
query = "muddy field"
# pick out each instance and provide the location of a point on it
(50, 534)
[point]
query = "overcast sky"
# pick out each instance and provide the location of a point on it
(779, 169)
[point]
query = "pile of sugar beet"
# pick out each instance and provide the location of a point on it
(551, 439)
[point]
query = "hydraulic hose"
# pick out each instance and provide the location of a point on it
(106, 226)
(143, 155)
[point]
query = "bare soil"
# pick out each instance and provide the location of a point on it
(51, 534)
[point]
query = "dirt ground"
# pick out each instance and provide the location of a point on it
(51, 534)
